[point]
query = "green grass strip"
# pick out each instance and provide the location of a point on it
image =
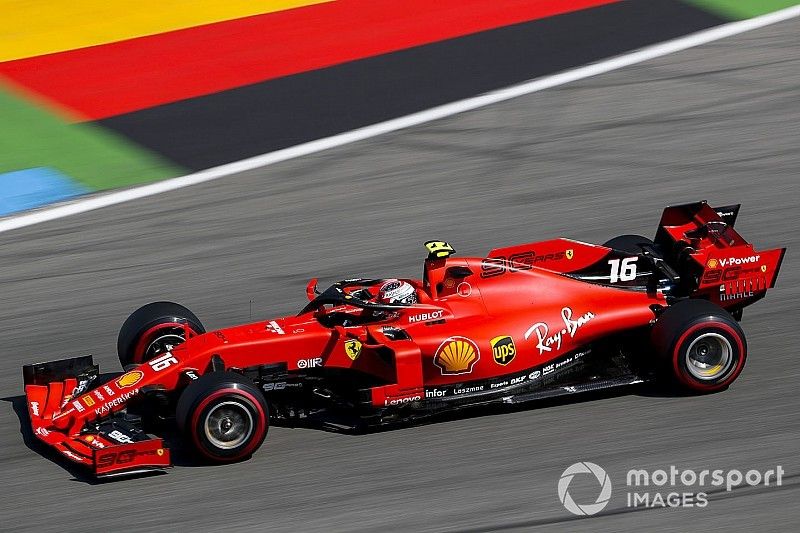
(99, 159)
(743, 9)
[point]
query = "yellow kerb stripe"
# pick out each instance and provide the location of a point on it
(32, 28)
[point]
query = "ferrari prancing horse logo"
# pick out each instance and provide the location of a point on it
(570, 254)
(352, 348)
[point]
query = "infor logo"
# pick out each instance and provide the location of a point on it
(584, 468)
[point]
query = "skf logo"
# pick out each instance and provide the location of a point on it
(570, 254)
(352, 348)
(503, 349)
(456, 355)
(130, 379)
(712, 263)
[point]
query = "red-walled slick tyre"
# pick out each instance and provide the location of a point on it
(153, 329)
(701, 345)
(223, 416)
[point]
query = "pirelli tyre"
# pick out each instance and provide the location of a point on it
(153, 329)
(223, 416)
(701, 345)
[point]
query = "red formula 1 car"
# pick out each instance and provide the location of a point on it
(525, 322)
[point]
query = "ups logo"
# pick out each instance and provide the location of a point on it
(503, 349)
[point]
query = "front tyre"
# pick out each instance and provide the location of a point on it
(223, 416)
(701, 345)
(154, 329)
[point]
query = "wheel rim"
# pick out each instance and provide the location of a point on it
(228, 425)
(709, 356)
(165, 341)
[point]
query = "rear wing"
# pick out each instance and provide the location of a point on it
(714, 261)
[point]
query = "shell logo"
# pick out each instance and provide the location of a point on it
(457, 355)
(712, 263)
(130, 379)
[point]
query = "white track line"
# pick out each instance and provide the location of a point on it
(538, 84)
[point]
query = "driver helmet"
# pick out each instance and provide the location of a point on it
(394, 291)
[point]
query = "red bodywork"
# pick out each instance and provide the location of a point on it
(477, 319)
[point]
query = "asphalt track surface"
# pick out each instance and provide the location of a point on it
(589, 160)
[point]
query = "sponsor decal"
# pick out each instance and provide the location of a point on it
(130, 379)
(98, 394)
(309, 363)
(191, 374)
(424, 317)
(35, 408)
(467, 390)
(88, 400)
(536, 374)
(435, 393)
(449, 283)
(739, 260)
(496, 266)
(464, 289)
(275, 328)
(457, 355)
(278, 385)
(401, 401)
(108, 390)
(545, 341)
(112, 458)
(93, 441)
(73, 456)
(352, 348)
(114, 402)
(298, 330)
(724, 296)
(42, 432)
(81, 388)
(712, 263)
(729, 274)
(120, 437)
(77, 405)
(503, 349)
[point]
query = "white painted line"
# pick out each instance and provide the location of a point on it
(414, 119)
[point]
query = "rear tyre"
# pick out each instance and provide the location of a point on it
(223, 416)
(153, 329)
(628, 243)
(701, 345)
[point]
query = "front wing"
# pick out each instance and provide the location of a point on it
(110, 446)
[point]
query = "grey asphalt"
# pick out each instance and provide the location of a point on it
(588, 160)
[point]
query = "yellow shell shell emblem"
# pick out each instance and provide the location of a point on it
(712, 263)
(130, 379)
(352, 348)
(457, 355)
